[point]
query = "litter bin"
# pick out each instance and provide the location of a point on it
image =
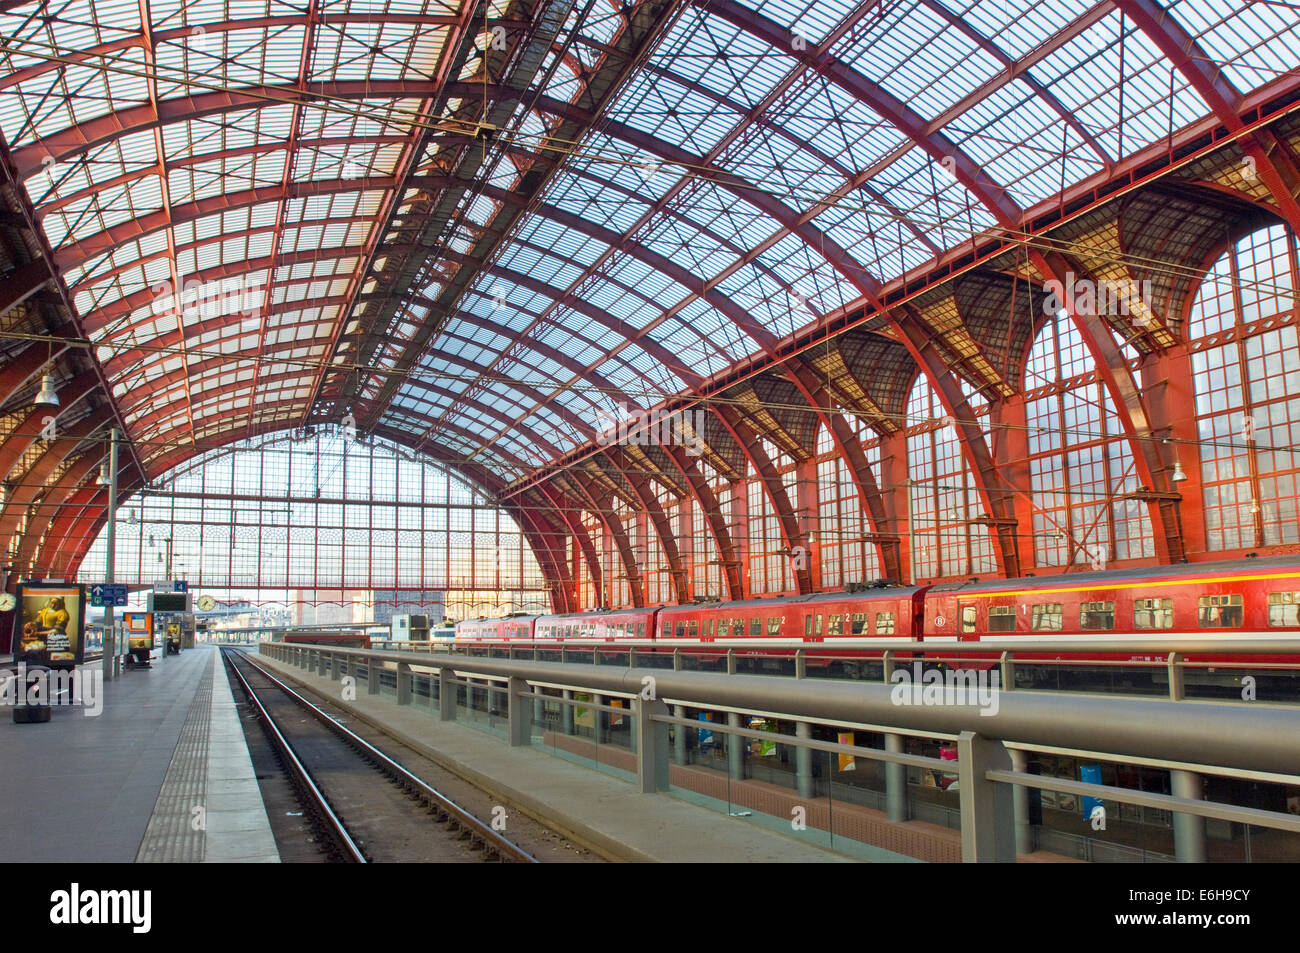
(31, 714)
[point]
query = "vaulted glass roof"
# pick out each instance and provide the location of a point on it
(487, 225)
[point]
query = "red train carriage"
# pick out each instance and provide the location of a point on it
(1250, 599)
(496, 630)
(787, 624)
(603, 625)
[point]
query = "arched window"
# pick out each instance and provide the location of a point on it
(1081, 465)
(1246, 373)
(947, 538)
(771, 563)
(846, 554)
(324, 518)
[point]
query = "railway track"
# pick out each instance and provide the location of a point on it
(347, 785)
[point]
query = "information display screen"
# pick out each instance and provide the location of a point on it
(170, 601)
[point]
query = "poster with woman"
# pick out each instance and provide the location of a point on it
(49, 623)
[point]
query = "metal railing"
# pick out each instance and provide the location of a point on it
(1174, 657)
(1190, 738)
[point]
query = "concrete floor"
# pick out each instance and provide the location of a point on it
(84, 788)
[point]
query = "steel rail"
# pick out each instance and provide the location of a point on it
(334, 824)
(505, 848)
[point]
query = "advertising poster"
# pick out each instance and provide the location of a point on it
(1090, 773)
(583, 717)
(706, 736)
(169, 626)
(49, 624)
(139, 630)
(761, 746)
(847, 761)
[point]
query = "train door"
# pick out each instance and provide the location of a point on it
(969, 614)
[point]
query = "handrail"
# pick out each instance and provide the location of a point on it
(1188, 646)
(1252, 736)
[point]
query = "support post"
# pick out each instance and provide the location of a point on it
(1020, 794)
(446, 695)
(519, 710)
(988, 820)
(1189, 829)
(800, 664)
(566, 713)
(803, 756)
(895, 781)
(372, 676)
(107, 664)
(1177, 688)
(679, 736)
(735, 750)
(651, 745)
(403, 683)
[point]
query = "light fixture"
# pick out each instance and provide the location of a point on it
(1254, 506)
(104, 478)
(1059, 534)
(46, 397)
(1178, 476)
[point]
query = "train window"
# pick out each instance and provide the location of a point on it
(859, 623)
(694, 629)
(834, 624)
(1219, 612)
(755, 627)
(774, 625)
(1047, 617)
(681, 630)
(1153, 613)
(640, 630)
(1002, 618)
(817, 629)
(884, 623)
(666, 630)
(1284, 608)
(807, 624)
(968, 618)
(1096, 615)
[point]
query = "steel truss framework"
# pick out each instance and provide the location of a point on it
(486, 231)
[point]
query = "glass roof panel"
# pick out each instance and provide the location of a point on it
(794, 139)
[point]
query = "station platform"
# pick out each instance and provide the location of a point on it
(160, 774)
(597, 810)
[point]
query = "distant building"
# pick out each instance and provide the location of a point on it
(430, 602)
